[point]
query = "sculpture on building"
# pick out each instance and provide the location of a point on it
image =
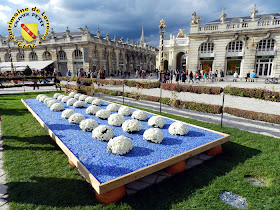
(86, 31)
(98, 33)
(107, 36)
(254, 12)
(223, 16)
(67, 32)
(194, 19)
(52, 34)
(181, 33)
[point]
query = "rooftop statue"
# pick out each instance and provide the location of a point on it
(194, 19)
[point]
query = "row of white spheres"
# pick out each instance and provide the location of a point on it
(120, 145)
(53, 104)
(176, 128)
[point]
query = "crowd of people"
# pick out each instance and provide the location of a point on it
(99, 74)
(183, 76)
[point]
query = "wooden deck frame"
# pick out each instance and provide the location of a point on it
(130, 177)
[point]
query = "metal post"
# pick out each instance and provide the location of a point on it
(160, 99)
(123, 95)
(222, 115)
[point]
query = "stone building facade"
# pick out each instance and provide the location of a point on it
(242, 44)
(81, 49)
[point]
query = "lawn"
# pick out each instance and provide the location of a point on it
(39, 176)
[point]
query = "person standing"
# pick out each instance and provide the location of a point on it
(184, 76)
(253, 76)
(69, 73)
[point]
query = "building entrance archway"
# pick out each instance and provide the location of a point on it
(181, 61)
(165, 65)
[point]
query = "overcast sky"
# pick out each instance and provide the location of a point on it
(125, 17)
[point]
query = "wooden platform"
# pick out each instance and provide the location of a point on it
(101, 188)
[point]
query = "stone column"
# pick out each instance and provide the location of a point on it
(109, 62)
(70, 63)
(276, 61)
(194, 54)
(220, 46)
(87, 59)
(117, 59)
(100, 53)
(39, 54)
(249, 58)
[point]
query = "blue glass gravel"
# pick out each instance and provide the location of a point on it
(107, 166)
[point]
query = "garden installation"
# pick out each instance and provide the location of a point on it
(112, 145)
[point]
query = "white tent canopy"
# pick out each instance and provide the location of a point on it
(20, 66)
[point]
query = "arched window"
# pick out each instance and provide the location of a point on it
(33, 56)
(207, 47)
(266, 45)
(78, 55)
(47, 56)
(235, 46)
(62, 55)
(20, 56)
(7, 57)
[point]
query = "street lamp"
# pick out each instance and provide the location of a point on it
(162, 29)
(9, 52)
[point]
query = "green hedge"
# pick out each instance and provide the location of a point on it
(192, 89)
(259, 93)
(253, 115)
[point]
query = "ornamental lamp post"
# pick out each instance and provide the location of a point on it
(9, 52)
(162, 29)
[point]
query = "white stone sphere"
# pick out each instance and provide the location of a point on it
(89, 99)
(97, 102)
(113, 107)
(72, 94)
(103, 114)
(71, 101)
(60, 97)
(92, 110)
(120, 145)
(125, 111)
(67, 113)
(65, 99)
(76, 118)
(139, 115)
(178, 128)
(83, 97)
(116, 120)
(103, 133)
(131, 126)
(156, 121)
(79, 104)
(154, 135)
(57, 107)
(51, 102)
(77, 96)
(88, 125)
(56, 95)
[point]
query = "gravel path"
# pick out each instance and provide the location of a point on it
(250, 104)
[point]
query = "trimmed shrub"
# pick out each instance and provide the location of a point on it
(253, 93)
(192, 89)
(253, 115)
